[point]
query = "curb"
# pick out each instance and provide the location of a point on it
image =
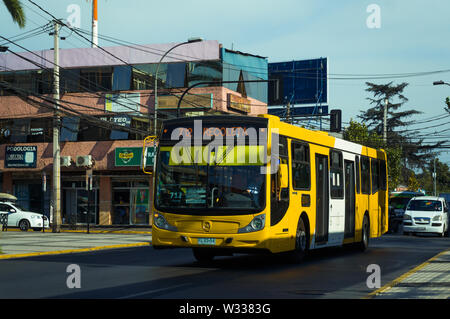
(398, 280)
(72, 251)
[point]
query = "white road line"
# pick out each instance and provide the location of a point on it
(152, 291)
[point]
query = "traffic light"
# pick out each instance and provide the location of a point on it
(335, 120)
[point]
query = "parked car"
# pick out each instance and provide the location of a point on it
(19, 217)
(397, 205)
(427, 214)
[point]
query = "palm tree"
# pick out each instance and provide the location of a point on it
(15, 9)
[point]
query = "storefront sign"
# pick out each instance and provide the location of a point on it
(20, 156)
(131, 156)
(238, 103)
(123, 102)
(194, 101)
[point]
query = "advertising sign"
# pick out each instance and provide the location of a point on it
(131, 156)
(20, 156)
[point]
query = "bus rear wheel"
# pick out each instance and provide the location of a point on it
(203, 255)
(365, 233)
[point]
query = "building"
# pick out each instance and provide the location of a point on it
(107, 107)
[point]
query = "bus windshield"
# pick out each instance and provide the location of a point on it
(208, 188)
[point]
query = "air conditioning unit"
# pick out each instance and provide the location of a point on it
(66, 161)
(84, 160)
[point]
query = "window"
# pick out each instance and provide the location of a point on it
(336, 175)
(301, 178)
(383, 175)
(365, 175)
(375, 175)
(358, 180)
(279, 198)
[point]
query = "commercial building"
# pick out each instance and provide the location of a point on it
(107, 108)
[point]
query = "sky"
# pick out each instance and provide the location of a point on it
(361, 39)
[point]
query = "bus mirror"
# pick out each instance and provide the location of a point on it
(283, 175)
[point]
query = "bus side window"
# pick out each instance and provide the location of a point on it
(365, 175)
(383, 175)
(336, 175)
(375, 178)
(357, 175)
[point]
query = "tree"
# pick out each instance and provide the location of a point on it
(414, 153)
(17, 13)
(359, 133)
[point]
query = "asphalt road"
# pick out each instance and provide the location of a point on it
(171, 274)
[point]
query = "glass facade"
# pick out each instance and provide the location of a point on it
(130, 202)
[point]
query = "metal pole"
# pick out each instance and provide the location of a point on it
(385, 121)
(56, 150)
(94, 24)
(434, 176)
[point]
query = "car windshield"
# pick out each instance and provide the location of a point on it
(399, 202)
(425, 205)
(204, 187)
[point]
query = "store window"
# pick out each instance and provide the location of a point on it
(78, 204)
(130, 202)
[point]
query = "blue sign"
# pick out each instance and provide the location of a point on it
(298, 111)
(299, 82)
(20, 156)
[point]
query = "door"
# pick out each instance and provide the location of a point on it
(349, 199)
(322, 199)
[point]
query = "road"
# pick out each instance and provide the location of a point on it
(143, 272)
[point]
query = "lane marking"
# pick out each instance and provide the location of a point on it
(398, 280)
(71, 251)
(152, 291)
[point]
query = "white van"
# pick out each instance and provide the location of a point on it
(18, 217)
(426, 214)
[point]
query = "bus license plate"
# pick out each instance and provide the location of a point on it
(206, 241)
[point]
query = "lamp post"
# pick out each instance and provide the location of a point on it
(190, 40)
(440, 83)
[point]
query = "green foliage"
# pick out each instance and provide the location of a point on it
(359, 133)
(16, 11)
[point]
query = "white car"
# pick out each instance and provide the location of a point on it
(426, 214)
(17, 217)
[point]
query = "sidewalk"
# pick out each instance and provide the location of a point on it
(17, 244)
(430, 280)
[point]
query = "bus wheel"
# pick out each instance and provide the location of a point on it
(203, 255)
(365, 234)
(301, 243)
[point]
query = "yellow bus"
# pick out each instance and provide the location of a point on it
(239, 184)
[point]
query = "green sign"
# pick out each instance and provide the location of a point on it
(132, 156)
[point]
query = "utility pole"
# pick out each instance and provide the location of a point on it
(56, 195)
(385, 121)
(434, 177)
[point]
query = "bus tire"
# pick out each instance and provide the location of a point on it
(203, 255)
(301, 241)
(365, 234)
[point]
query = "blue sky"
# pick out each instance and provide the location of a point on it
(413, 37)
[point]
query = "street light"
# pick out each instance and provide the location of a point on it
(190, 40)
(440, 83)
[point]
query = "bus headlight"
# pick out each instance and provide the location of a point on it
(162, 223)
(256, 224)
